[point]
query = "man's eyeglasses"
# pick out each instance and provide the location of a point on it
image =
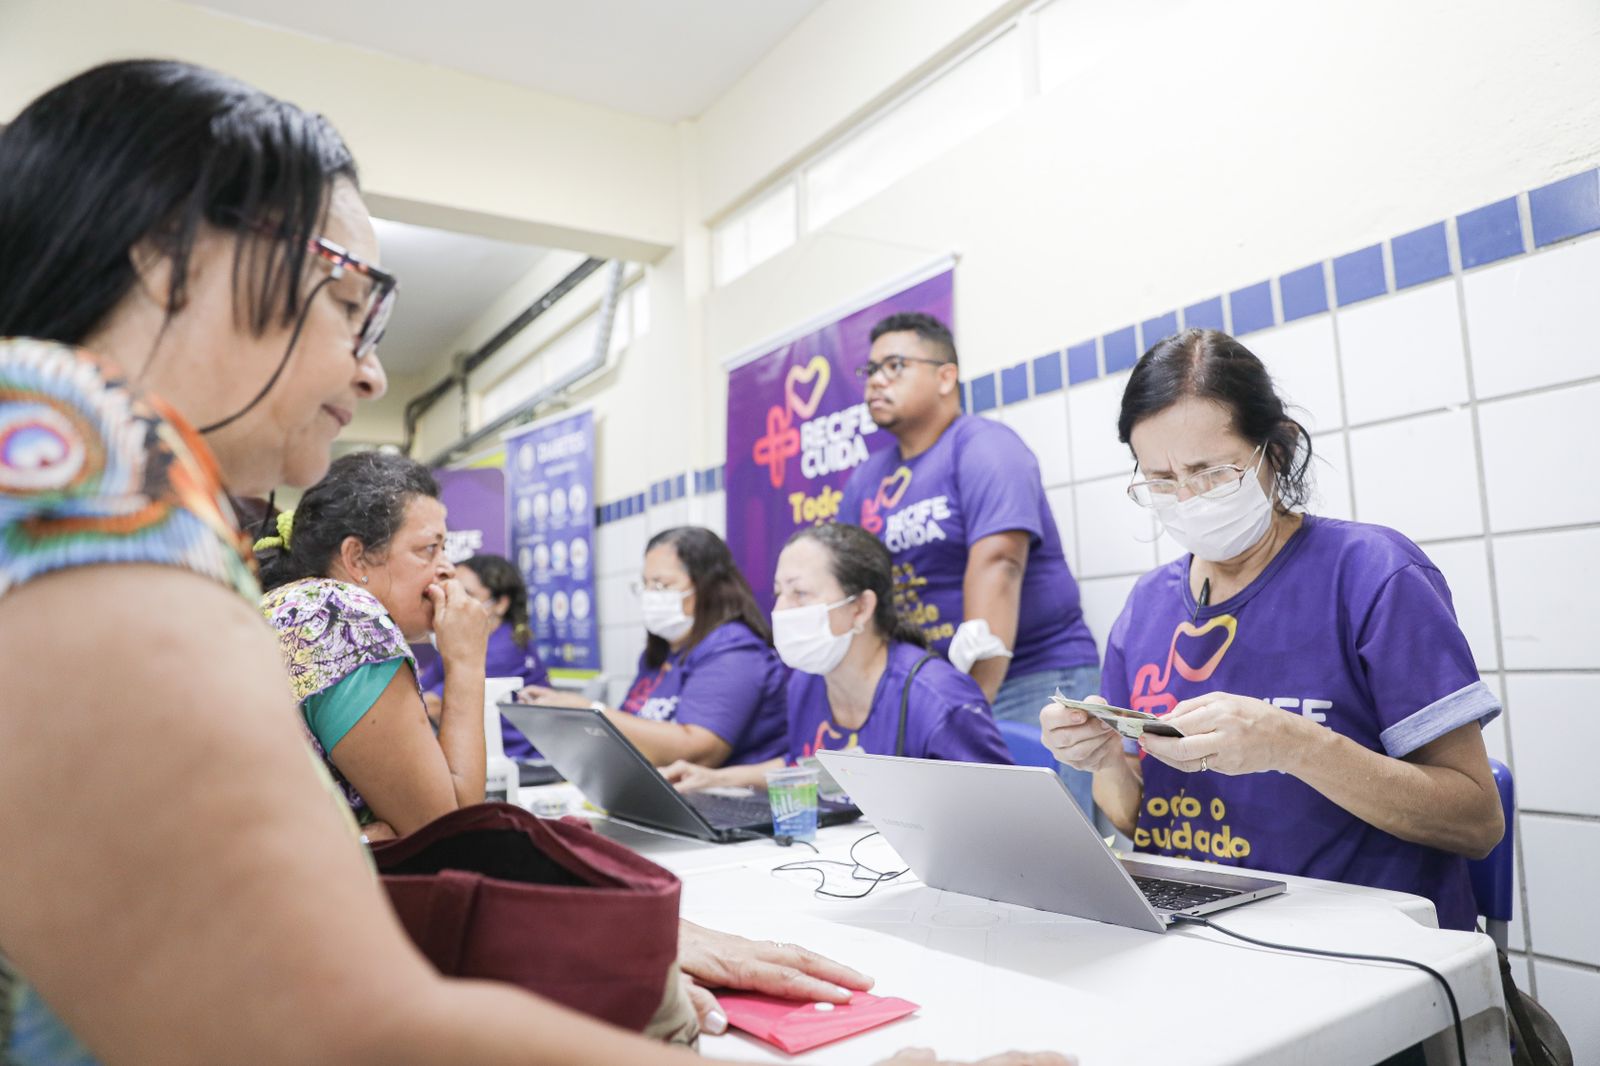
(1214, 483)
(893, 366)
(379, 304)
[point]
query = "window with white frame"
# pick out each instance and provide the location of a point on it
(755, 233)
(973, 94)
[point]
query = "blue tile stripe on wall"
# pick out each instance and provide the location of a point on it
(1561, 210)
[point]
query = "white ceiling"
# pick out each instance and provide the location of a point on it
(447, 280)
(663, 59)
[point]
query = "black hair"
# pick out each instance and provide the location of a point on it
(721, 594)
(860, 563)
(929, 329)
(148, 151)
(1210, 365)
(363, 495)
(501, 578)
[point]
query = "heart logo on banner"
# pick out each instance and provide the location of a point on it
(893, 488)
(817, 371)
(1196, 642)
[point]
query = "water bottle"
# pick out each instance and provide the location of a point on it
(500, 783)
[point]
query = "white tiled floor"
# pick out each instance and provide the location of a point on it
(1465, 566)
(1300, 358)
(1549, 588)
(1531, 447)
(1562, 859)
(1548, 712)
(1092, 421)
(1418, 475)
(1115, 535)
(1042, 424)
(1570, 995)
(1530, 320)
(1403, 353)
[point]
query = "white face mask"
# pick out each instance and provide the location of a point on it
(1217, 530)
(804, 639)
(663, 613)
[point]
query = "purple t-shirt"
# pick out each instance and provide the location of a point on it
(505, 658)
(978, 479)
(946, 718)
(1351, 626)
(731, 683)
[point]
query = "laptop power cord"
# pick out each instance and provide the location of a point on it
(859, 871)
(1455, 1011)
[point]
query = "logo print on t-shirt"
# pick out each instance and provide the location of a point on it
(1149, 690)
(891, 490)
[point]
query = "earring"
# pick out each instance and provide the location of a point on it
(363, 579)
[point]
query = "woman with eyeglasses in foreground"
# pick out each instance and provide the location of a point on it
(182, 884)
(1330, 708)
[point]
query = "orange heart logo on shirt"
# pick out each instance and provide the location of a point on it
(817, 371)
(900, 480)
(1188, 629)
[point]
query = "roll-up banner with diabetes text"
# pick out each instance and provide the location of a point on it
(797, 425)
(549, 504)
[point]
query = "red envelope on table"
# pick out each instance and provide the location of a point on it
(799, 1025)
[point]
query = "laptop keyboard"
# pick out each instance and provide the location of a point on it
(732, 811)
(1165, 895)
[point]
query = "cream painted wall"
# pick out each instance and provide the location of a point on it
(1248, 137)
(436, 147)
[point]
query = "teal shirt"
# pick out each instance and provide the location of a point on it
(334, 711)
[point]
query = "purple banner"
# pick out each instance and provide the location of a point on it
(549, 497)
(797, 426)
(475, 506)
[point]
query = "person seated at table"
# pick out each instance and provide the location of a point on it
(1330, 708)
(710, 689)
(863, 678)
(356, 571)
(493, 581)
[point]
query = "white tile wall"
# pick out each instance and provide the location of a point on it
(1562, 857)
(1330, 477)
(1403, 353)
(1549, 587)
(1092, 420)
(710, 511)
(1115, 535)
(1548, 712)
(1300, 358)
(1060, 500)
(667, 515)
(1042, 424)
(1533, 446)
(1465, 566)
(1418, 475)
(1570, 995)
(1102, 600)
(1530, 320)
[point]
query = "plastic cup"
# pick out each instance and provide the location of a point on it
(792, 791)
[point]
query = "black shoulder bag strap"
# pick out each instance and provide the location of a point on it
(905, 701)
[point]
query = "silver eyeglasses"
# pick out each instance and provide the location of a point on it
(1214, 483)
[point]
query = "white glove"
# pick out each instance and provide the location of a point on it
(973, 642)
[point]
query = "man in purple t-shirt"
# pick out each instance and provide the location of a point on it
(960, 505)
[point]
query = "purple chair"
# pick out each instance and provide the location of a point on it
(1491, 875)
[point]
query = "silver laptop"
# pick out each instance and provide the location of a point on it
(1014, 834)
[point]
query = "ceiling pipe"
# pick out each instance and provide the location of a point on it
(465, 363)
(524, 411)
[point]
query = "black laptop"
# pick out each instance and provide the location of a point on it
(614, 776)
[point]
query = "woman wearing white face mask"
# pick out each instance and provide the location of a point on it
(710, 688)
(863, 678)
(1326, 651)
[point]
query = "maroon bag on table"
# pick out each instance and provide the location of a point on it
(495, 893)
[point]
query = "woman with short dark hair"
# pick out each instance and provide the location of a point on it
(863, 676)
(710, 689)
(1330, 708)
